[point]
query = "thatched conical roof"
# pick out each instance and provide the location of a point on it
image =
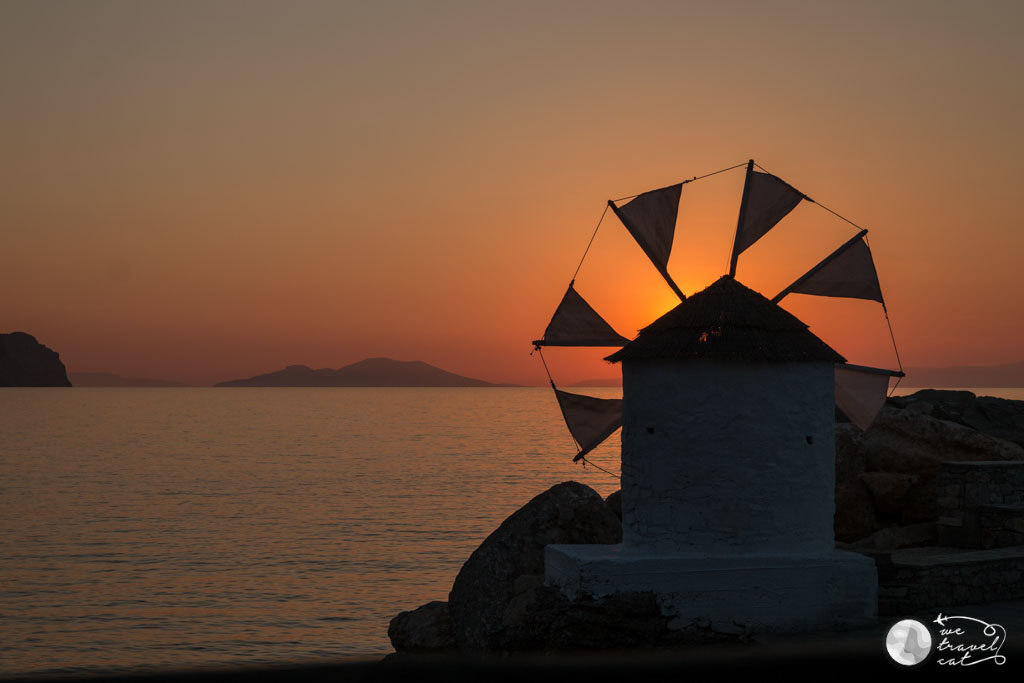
(728, 322)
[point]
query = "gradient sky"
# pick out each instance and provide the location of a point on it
(201, 191)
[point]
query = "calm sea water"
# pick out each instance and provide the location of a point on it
(175, 528)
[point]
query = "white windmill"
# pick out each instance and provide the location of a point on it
(728, 441)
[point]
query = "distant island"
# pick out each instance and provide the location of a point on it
(107, 379)
(24, 362)
(372, 372)
(610, 382)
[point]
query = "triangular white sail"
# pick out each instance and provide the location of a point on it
(767, 200)
(576, 323)
(651, 220)
(849, 272)
(590, 420)
(861, 391)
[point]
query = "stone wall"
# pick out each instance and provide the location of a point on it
(922, 578)
(980, 504)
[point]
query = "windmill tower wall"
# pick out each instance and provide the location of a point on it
(728, 458)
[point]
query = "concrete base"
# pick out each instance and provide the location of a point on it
(754, 593)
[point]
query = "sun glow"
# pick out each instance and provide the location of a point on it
(184, 211)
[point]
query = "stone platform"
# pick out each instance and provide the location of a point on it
(914, 578)
(742, 593)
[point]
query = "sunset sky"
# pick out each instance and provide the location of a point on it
(201, 191)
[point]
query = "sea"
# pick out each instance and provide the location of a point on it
(156, 529)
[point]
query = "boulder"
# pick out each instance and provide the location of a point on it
(855, 515)
(910, 442)
(914, 443)
(427, 628)
(953, 399)
(885, 475)
(893, 538)
(24, 362)
(999, 417)
(614, 501)
(849, 454)
(919, 504)
(888, 491)
(486, 585)
(541, 618)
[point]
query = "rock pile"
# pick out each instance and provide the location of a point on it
(885, 499)
(885, 476)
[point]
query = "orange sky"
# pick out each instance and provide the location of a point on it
(202, 191)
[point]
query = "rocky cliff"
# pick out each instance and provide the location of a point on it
(24, 362)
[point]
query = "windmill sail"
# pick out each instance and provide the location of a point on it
(590, 420)
(576, 323)
(860, 392)
(766, 201)
(849, 271)
(651, 220)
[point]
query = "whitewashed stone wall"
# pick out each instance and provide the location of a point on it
(728, 458)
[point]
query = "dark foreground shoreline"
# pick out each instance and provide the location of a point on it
(843, 655)
(815, 661)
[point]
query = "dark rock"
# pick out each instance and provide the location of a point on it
(885, 476)
(486, 585)
(855, 515)
(427, 628)
(999, 417)
(524, 596)
(919, 503)
(893, 538)
(24, 362)
(914, 443)
(547, 620)
(849, 454)
(934, 397)
(923, 407)
(888, 491)
(614, 501)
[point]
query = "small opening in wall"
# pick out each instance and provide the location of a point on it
(810, 439)
(650, 430)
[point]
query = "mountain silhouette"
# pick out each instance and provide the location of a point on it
(372, 372)
(599, 382)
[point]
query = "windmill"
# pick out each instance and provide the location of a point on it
(650, 218)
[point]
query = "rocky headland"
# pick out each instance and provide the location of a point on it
(24, 362)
